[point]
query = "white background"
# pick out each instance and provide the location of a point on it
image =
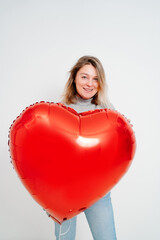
(40, 40)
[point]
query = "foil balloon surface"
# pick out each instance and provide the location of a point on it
(68, 161)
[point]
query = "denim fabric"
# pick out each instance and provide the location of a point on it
(100, 219)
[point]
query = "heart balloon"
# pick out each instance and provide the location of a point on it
(68, 161)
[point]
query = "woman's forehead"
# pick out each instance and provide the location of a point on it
(88, 70)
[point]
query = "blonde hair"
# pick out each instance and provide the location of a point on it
(100, 98)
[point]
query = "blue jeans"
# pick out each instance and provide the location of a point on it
(100, 219)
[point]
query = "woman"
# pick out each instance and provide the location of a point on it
(86, 90)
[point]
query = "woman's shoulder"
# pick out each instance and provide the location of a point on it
(108, 105)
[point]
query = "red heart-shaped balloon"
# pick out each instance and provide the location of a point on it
(68, 161)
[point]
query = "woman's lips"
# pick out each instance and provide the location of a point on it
(88, 90)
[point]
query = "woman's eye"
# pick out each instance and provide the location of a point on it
(84, 77)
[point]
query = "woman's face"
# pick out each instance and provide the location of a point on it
(86, 82)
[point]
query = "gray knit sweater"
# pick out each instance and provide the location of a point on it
(83, 105)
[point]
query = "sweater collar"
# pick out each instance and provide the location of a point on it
(84, 102)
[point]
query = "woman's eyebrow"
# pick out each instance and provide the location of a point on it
(86, 74)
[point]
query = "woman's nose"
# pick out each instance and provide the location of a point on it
(89, 82)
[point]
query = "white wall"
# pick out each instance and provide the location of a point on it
(39, 42)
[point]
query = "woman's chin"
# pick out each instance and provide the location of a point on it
(86, 96)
